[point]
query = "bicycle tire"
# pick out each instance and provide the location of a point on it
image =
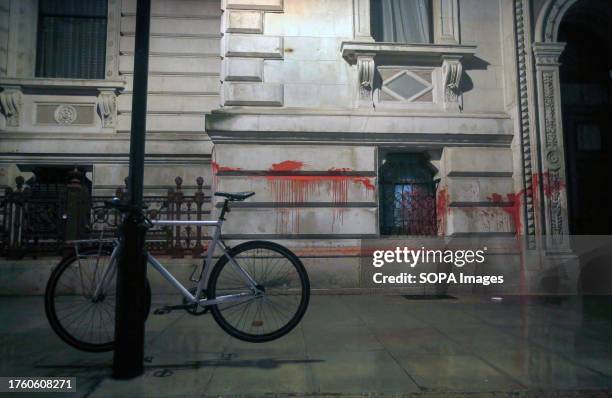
(304, 284)
(54, 319)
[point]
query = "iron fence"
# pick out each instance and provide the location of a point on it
(35, 223)
(408, 208)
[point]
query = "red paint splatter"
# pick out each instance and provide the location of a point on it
(297, 189)
(550, 185)
(287, 165)
(216, 168)
(367, 184)
(512, 207)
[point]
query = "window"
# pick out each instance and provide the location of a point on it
(401, 21)
(407, 195)
(71, 39)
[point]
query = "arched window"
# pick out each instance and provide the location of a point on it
(401, 21)
(407, 195)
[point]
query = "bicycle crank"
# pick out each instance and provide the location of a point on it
(195, 309)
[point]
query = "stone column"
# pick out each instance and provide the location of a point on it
(550, 181)
(361, 20)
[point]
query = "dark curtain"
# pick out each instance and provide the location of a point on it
(401, 21)
(71, 39)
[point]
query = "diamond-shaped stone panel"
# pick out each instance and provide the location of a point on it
(405, 85)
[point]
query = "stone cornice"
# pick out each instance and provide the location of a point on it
(34, 84)
(352, 49)
(421, 130)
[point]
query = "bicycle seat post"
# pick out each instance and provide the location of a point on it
(224, 209)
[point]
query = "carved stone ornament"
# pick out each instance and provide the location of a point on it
(452, 71)
(10, 102)
(65, 114)
(365, 68)
(107, 108)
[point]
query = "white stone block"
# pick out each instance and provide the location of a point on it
(302, 221)
(267, 5)
(482, 220)
(243, 69)
(174, 65)
(302, 158)
(479, 189)
(477, 161)
(172, 103)
(253, 46)
(175, 26)
(177, 7)
(176, 45)
(252, 94)
(244, 21)
(178, 84)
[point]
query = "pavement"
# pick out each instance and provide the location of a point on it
(362, 345)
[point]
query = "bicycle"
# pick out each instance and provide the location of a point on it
(257, 291)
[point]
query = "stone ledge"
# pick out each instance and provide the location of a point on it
(243, 69)
(354, 128)
(408, 52)
(252, 94)
(244, 21)
(37, 84)
(252, 46)
(265, 5)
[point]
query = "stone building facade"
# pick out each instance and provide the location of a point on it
(336, 130)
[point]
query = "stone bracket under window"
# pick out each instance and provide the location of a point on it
(407, 75)
(44, 104)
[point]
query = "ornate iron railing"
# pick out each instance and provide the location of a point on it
(35, 224)
(408, 208)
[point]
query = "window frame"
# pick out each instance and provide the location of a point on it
(430, 20)
(39, 25)
(422, 159)
(445, 22)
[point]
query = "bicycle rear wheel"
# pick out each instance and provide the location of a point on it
(81, 319)
(282, 277)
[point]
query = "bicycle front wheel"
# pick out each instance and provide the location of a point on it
(283, 280)
(79, 307)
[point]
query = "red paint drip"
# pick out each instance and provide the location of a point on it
(442, 210)
(513, 208)
(367, 184)
(297, 189)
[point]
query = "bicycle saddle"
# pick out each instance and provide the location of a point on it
(235, 196)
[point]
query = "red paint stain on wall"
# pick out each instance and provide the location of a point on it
(550, 185)
(442, 210)
(287, 165)
(217, 167)
(298, 189)
(366, 182)
(512, 207)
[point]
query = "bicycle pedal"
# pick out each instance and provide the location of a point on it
(162, 311)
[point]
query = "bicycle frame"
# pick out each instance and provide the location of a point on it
(205, 272)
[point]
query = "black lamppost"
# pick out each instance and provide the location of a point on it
(131, 276)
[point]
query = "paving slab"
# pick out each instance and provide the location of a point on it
(346, 345)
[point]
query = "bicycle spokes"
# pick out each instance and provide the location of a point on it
(277, 296)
